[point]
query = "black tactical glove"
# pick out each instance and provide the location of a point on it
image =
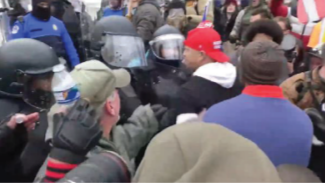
(78, 132)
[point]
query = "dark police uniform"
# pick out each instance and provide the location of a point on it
(24, 62)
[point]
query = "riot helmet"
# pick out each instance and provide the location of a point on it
(316, 56)
(289, 46)
(167, 45)
(26, 71)
(116, 42)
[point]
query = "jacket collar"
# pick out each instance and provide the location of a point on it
(268, 91)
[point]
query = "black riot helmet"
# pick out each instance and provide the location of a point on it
(316, 56)
(26, 71)
(116, 41)
(167, 45)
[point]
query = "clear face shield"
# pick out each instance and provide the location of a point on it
(168, 47)
(37, 90)
(123, 51)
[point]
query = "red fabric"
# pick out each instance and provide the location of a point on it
(228, 2)
(267, 91)
(62, 166)
(278, 9)
(302, 13)
(320, 6)
(56, 171)
(205, 24)
(304, 38)
(208, 41)
(54, 174)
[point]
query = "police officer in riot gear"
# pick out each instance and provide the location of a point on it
(314, 58)
(25, 87)
(167, 72)
(116, 43)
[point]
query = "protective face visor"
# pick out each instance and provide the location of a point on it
(37, 89)
(314, 58)
(168, 47)
(123, 51)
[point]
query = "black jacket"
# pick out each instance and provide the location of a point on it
(201, 93)
(23, 153)
(221, 23)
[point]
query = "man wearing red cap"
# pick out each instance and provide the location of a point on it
(213, 78)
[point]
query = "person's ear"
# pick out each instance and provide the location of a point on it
(202, 56)
(110, 108)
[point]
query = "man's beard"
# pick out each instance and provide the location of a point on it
(42, 13)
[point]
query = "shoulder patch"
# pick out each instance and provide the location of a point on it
(15, 29)
(20, 19)
(55, 27)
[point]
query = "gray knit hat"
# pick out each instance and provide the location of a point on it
(262, 63)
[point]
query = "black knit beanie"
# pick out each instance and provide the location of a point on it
(262, 63)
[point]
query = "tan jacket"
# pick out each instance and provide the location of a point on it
(192, 15)
(296, 89)
(201, 152)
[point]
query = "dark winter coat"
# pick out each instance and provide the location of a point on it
(147, 19)
(221, 23)
(202, 91)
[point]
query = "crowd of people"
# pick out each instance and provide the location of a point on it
(161, 91)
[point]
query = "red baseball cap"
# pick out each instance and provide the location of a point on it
(207, 40)
(202, 25)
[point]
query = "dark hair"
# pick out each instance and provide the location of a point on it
(227, 3)
(284, 20)
(265, 14)
(268, 27)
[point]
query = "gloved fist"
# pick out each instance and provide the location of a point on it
(78, 132)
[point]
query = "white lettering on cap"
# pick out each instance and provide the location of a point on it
(217, 45)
